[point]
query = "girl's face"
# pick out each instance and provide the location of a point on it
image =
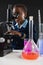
(18, 14)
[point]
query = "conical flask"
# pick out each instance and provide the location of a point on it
(30, 50)
(40, 39)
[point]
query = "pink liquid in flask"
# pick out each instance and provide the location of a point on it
(30, 50)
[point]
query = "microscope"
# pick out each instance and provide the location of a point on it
(5, 39)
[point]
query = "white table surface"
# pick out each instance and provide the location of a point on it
(14, 58)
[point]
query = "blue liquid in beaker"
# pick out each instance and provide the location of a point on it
(40, 43)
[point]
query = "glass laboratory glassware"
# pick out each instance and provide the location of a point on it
(25, 41)
(40, 39)
(30, 50)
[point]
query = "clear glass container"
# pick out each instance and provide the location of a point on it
(30, 50)
(40, 39)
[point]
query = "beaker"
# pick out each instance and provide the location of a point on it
(40, 40)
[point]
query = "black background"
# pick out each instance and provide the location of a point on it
(32, 6)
